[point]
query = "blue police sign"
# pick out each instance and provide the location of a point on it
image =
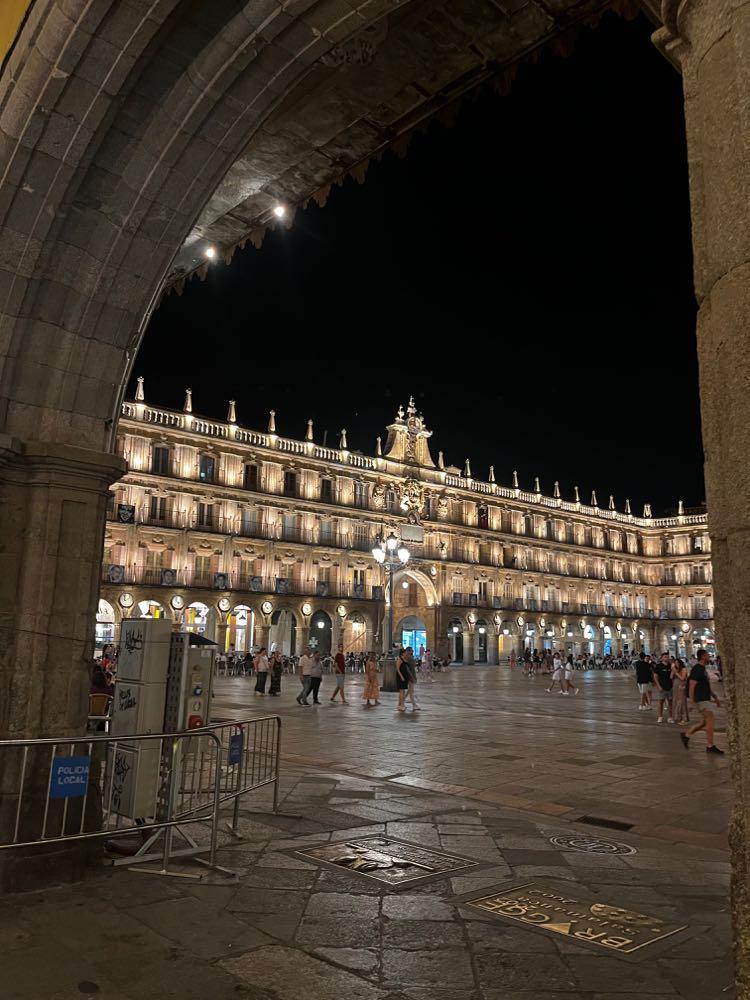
(235, 748)
(69, 778)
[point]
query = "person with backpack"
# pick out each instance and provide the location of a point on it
(662, 678)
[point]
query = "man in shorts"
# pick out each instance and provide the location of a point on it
(339, 667)
(700, 693)
(662, 678)
(643, 680)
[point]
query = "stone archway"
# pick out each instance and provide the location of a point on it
(415, 595)
(110, 157)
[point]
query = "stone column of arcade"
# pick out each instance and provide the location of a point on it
(710, 40)
(52, 502)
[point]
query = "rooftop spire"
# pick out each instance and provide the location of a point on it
(577, 493)
(188, 404)
(139, 396)
(627, 507)
(594, 501)
(680, 508)
(647, 510)
(272, 421)
(515, 480)
(537, 487)
(342, 439)
(441, 460)
(611, 502)
(232, 412)
(467, 469)
(492, 474)
(379, 448)
(309, 433)
(411, 408)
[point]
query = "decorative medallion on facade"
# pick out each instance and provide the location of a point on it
(412, 500)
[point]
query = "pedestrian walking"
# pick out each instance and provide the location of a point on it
(339, 667)
(261, 672)
(568, 677)
(680, 712)
(425, 667)
(316, 676)
(643, 679)
(275, 667)
(558, 672)
(372, 688)
(305, 664)
(412, 673)
(662, 678)
(402, 679)
(701, 695)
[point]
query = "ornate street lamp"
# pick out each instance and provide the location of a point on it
(392, 555)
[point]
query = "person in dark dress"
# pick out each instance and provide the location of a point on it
(275, 670)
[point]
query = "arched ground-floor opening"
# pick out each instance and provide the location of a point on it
(321, 632)
(356, 633)
(240, 629)
(106, 626)
(412, 631)
(283, 632)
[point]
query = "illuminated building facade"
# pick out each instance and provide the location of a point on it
(255, 538)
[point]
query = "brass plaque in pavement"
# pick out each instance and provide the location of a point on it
(393, 862)
(610, 927)
(590, 845)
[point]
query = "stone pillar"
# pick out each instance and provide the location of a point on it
(469, 638)
(493, 641)
(303, 638)
(710, 40)
(336, 633)
(53, 501)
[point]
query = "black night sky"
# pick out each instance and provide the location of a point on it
(525, 274)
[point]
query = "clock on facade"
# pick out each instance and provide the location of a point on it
(306, 609)
(126, 600)
(224, 604)
(519, 621)
(266, 607)
(341, 610)
(177, 602)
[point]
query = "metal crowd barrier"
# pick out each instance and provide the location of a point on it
(105, 787)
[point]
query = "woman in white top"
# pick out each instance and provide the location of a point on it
(557, 673)
(569, 686)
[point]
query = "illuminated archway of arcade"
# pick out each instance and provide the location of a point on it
(415, 610)
(133, 140)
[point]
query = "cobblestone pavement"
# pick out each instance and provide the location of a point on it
(291, 927)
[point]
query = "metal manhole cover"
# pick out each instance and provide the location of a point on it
(542, 906)
(394, 863)
(590, 845)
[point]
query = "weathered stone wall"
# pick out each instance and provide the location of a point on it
(710, 39)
